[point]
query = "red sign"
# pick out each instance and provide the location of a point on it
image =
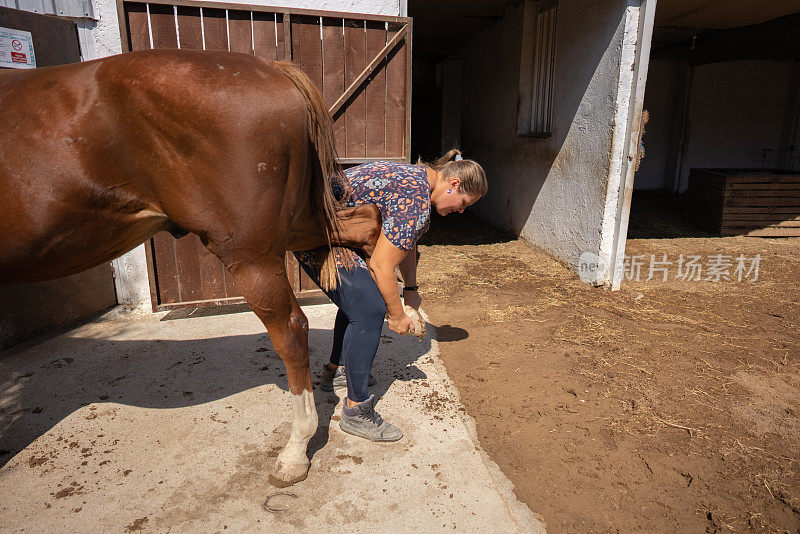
(16, 44)
(17, 57)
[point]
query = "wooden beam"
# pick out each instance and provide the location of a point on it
(287, 36)
(368, 70)
(123, 26)
(409, 62)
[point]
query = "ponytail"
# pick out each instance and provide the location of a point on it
(439, 164)
(471, 174)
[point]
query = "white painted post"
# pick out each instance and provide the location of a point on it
(638, 33)
(131, 280)
(647, 13)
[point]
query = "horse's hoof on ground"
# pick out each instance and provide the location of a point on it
(288, 475)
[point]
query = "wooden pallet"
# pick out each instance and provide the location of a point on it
(744, 202)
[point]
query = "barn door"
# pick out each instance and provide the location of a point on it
(362, 65)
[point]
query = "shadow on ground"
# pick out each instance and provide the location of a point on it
(45, 380)
(462, 229)
(659, 215)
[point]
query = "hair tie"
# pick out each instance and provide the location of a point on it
(458, 157)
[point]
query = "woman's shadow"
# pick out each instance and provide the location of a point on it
(44, 381)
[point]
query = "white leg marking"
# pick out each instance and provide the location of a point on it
(292, 460)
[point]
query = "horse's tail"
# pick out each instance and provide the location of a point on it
(324, 201)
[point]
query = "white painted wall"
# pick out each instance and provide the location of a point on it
(131, 279)
(552, 192)
(132, 285)
(736, 108)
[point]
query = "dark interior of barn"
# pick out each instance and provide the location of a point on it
(723, 105)
(440, 29)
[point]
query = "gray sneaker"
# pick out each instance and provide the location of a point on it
(337, 379)
(362, 420)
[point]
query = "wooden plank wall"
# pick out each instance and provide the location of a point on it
(738, 202)
(355, 59)
(398, 74)
(333, 51)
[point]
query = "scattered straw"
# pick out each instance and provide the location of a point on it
(689, 429)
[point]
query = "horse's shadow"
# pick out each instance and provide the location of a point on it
(41, 383)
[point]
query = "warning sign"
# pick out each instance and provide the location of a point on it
(16, 49)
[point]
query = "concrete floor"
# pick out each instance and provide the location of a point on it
(139, 422)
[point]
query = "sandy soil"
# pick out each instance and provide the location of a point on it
(665, 406)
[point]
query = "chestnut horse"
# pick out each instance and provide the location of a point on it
(96, 157)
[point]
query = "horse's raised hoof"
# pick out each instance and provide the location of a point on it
(286, 475)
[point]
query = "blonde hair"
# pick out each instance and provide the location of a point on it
(473, 179)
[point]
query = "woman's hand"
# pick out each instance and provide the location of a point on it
(401, 324)
(382, 265)
(412, 298)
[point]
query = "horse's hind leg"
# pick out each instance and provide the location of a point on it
(266, 288)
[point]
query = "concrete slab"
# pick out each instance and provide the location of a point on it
(132, 422)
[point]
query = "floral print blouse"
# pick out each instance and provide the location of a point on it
(402, 194)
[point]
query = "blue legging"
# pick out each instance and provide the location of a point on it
(357, 331)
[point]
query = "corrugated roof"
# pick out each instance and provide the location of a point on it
(78, 9)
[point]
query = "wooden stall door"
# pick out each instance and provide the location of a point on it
(361, 64)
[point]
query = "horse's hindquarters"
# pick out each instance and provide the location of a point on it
(214, 143)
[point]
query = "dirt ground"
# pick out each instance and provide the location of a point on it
(666, 406)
